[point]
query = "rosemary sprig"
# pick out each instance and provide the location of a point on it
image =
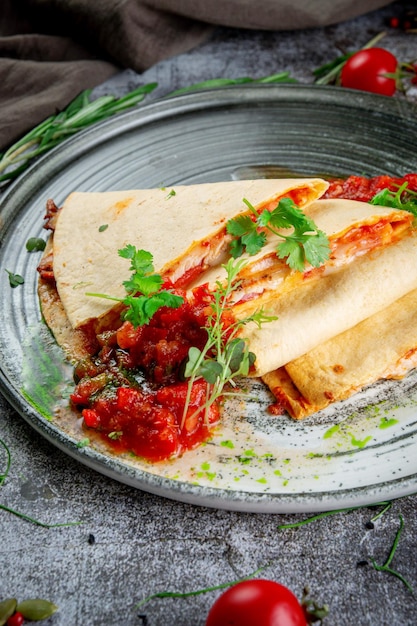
(215, 83)
(79, 114)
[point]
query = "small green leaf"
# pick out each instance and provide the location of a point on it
(240, 225)
(293, 252)
(102, 228)
(7, 608)
(15, 279)
(35, 244)
(211, 371)
(36, 609)
(254, 242)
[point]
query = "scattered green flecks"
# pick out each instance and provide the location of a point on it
(171, 194)
(277, 472)
(83, 443)
(387, 422)
(227, 444)
(331, 431)
(102, 228)
(81, 285)
(262, 481)
(359, 443)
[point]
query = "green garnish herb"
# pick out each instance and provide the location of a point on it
(171, 194)
(8, 462)
(35, 244)
(404, 198)
(215, 83)
(305, 243)
(115, 435)
(197, 592)
(224, 356)
(15, 279)
(79, 114)
(145, 295)
(386, 566)
(315, 518)
(102, 228)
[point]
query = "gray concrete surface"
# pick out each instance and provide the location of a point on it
(131, 544)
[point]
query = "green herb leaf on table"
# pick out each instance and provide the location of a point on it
(386, 567)
(306, 243)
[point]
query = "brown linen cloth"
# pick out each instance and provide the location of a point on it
(51, 50)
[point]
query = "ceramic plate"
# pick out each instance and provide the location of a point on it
(357, 452)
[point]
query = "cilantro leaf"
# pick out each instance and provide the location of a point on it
(144, 294)
(144, 284)
(305, 244)
(240, 225)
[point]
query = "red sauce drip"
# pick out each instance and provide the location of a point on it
(132, 392)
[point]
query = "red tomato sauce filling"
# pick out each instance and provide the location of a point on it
(133, 392)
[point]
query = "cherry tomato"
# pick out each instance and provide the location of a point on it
(367, 69)
(259, 601)
(16, 619)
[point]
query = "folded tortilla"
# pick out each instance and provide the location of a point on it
(381, 347)
(317, 310)
(184, 228)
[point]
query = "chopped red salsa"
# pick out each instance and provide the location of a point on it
(133, 393)
(364, 189)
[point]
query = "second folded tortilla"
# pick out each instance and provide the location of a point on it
(382, 346)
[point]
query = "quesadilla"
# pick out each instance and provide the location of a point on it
(340, 367)
(184, 228)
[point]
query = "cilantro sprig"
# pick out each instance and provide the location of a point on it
(404, 198)
(225, 356)
(306, 243)
(145, 295)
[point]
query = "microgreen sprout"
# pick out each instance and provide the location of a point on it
(306, 243)
(15, 279)
(225, 356)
